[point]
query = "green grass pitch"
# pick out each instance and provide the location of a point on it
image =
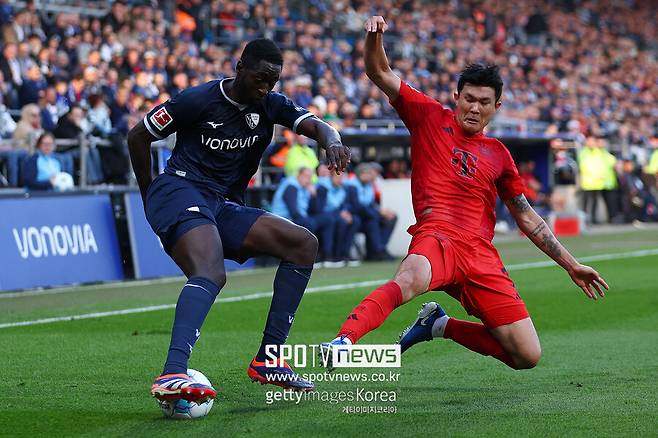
(598, 375)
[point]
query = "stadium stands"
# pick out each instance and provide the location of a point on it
(572, 68)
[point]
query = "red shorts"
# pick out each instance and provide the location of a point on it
(470, 270)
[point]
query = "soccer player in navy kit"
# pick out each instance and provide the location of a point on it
(197, 209)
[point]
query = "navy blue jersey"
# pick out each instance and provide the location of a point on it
(219, 142)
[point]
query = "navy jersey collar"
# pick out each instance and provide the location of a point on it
(240, 106)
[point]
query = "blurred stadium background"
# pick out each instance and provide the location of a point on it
(579, 116)
(579, 111)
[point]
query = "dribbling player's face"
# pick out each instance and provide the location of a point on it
(476, 105)
(258, 80)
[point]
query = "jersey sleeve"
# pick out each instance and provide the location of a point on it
(413, 106)
(509, 184)
(282, 111)
(182, 110)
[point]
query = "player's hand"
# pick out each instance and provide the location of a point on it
(338, 157)
(376, 24)
(589, 281)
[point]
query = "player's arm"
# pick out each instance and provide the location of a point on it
(338, 155)
(533, 226)
(377, 66)
(139, 146)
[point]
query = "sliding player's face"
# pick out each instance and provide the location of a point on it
(259, 79)
(476, 105)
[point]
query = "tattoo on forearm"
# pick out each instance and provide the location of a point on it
(551, 245)
(520, 203)
(538, 229)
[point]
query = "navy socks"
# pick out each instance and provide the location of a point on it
(194, 303)
(289, 284)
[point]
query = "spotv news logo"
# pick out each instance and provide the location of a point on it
(338, 356)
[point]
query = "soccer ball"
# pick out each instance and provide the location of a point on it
(185, 410)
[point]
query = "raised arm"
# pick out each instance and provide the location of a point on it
(338, 155)
(538, 232)
(377, 67)
(139, 145)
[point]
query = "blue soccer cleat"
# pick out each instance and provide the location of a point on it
(326, 352)
(282, 376)
(421, 329)
(172, 387)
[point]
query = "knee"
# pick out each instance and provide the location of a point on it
(306, 249)
(527, 359)
(215, 274)
(411, 285)
(212, 269)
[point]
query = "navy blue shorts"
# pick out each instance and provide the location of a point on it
(175, 205)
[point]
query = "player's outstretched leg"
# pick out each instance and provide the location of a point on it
(412, 279)
(297, 249)
(199, 254)
(516, 344)
(430, 323)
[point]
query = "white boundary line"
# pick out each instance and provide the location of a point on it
(113, 284)
(312, 290)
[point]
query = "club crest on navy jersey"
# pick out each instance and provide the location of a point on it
(252, 119)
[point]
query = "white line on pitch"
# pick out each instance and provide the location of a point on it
(248, 297)
(312, 290)
(112, 284)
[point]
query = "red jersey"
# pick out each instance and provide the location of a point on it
(454, 178)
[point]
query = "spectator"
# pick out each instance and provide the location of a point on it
(120, 109)
(7, 124)
(72, 124)
(12, 157)
(98, 116)
(292, 200)
(533, 187)
(331, 198)
(300, 155)
(565, 168)
(32, 86)
(595, 166)
(610, 184)
(638, 204)
(10, 67)
(49, 109)
(41, 170)
(377, 223)
(397, 168)
(28, 128)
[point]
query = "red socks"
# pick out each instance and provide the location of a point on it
(476, 337)
(372, 311)
(376, 307)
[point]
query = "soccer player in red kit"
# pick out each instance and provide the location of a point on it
(456, 173)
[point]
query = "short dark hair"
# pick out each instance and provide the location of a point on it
(483, 76)
(42, 136)
(261, 49)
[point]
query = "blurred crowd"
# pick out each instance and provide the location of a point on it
(335, 207)
(586, 68)
(627, 190)
(613, 187)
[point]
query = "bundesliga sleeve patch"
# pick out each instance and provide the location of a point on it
(161, 118)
